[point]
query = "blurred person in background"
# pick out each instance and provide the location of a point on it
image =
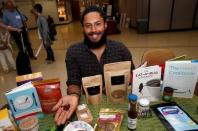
(13, 17)
(43, 31)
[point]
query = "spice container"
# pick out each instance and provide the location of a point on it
(168, 93)
(143, 108)
(83, 113)
(29, 124)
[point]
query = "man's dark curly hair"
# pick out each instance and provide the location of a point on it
(93, 8)
(38, 8)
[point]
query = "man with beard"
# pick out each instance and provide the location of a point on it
(87, 58)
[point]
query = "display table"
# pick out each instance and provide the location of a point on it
(153, 123)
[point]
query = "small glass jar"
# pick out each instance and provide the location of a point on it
(144, 108)
(168, 93)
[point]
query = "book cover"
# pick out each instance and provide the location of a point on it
(181, 57)
(182, 77)
(23, 101)
(29, 77)
(5, 121)
(146, 82)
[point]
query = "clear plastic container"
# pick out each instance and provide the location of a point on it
(144, 108)
(84, 114)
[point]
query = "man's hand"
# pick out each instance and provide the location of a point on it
(19, 30)
(3, 47)
(44, 42)
(10, 28)
(65, 107)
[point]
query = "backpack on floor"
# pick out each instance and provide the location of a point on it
(23, 65)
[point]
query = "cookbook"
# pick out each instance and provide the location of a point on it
(23, 101)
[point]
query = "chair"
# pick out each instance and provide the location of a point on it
(157, 56)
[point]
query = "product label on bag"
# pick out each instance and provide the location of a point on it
(132, 123)
(94, 90)
(117, 80)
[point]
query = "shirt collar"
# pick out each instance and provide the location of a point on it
(107, 45)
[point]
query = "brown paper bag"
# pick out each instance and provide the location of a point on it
(92, 86)
(117, 77)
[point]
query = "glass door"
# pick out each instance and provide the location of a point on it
(62, 12)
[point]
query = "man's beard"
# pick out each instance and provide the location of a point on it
(95, 45)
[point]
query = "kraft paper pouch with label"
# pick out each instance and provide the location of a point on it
(117, 77)
(92, 86)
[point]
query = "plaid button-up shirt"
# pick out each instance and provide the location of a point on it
(81, 62)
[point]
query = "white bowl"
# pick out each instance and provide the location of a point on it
(78, 125)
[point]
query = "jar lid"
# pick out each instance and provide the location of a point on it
(168, 89)
(81, 107)
(144, 102)
(132, 97)
(28, 123)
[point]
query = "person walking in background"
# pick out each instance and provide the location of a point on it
(5, 46)
(44, 32)
(12, 17)
(5, 51)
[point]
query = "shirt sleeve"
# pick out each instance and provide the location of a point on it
(73, 73)
(43, 28)
(73, 70)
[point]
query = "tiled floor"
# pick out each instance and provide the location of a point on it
(180, 42)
